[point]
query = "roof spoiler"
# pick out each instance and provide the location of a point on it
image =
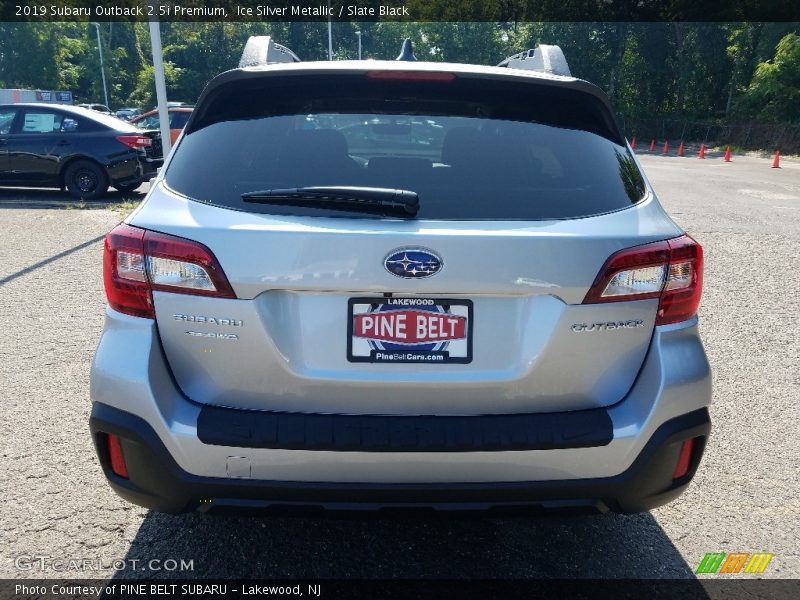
(543, 58)
(261, 50)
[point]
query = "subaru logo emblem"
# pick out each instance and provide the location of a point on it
(413, 263)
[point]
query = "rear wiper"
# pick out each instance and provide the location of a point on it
(341, 197)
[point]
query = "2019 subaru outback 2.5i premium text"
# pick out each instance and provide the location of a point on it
(368, 285)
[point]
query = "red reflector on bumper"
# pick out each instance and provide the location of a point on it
(117, 458)
(684, 460)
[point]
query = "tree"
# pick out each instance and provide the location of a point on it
(774, 92)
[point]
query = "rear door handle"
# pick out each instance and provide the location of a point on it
(63, 143)
(3, 142)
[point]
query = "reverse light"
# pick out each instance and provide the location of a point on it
(169, 272)
(137, 261)
(671, 270)
(632, 282)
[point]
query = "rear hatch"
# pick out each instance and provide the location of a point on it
(472, 305)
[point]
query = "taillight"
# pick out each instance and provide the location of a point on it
(411, 75)
(671, 270)
(125, 280)
(135, 141)
(684, 285)
(137, 261)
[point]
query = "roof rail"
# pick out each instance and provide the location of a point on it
(261, 50)
(543, 58)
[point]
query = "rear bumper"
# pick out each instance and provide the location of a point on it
(133, 171)
(157, 482)
(175, 465)
(150, 166)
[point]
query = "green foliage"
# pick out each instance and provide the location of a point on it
(657, 69)
(774, 92)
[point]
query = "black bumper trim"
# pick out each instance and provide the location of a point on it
(373, 433)
(157, 482)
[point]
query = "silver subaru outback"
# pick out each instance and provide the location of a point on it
(382, 285)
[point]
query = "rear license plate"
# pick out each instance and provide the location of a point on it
(409, 330)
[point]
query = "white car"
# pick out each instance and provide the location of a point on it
(499, 315)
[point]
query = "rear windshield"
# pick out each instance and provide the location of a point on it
(472, 149)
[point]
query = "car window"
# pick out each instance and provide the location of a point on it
(40, 121)
(68, 125)
(466, 151)
(178, 119)
(6, 120)
(149, 122)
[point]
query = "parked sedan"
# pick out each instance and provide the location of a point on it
(48, 145)
(178, 116)
(101, 108)
(126, 114)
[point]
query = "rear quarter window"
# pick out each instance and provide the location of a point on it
(7, 116)
(472, 149)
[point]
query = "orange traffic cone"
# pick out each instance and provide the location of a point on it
(776, 162)
(652, 145)
(680, 149)
(702, 151)
(666, 147)
(633, 143)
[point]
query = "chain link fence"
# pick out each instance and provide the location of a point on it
(746, 136)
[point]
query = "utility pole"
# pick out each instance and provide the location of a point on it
(330, 33)
(161, 85)
(102, 70)
(358, 33)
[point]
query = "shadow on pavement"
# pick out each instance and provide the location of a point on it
(50, 259)
(53, 198)
(601, 546)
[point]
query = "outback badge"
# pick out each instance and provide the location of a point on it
(413, 263)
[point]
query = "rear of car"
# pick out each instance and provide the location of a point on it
(380, 285)
(74, 148)
(178, 117)
(101, 108)
(126, 114)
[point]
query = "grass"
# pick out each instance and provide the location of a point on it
(122, 207)
(734, 149)
(80, 205)
(750, 152)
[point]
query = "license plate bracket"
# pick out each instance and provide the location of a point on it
(403, 329)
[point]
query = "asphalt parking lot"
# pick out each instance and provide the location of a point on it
(744, 498)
